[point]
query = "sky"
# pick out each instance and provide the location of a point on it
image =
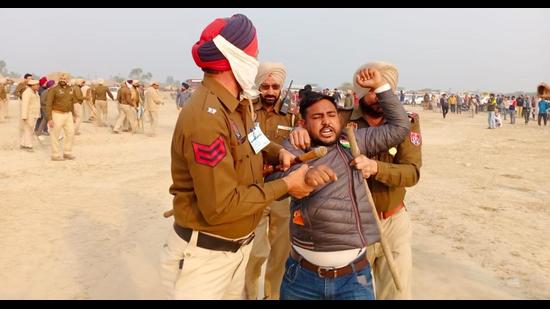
(501, 50)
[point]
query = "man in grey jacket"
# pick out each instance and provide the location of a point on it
(331, 228)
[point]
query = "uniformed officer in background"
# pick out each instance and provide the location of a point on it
(272, 234)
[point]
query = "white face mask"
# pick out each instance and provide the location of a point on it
(244, 66)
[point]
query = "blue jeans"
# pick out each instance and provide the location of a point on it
(301, 283)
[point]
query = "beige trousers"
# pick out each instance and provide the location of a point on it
(78, 113)
(62, 121)
(272, 243)
(397, 230)
(101, 112)
(126, 112)
(26, 128)
(89, 110)
(153, 117)
(3, 109)
(205, 274)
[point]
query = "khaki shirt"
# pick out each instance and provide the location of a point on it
(124, 96)
(20, 88)
(152, 99)
(30, 104)
(60, 99)
(275, 125)
(78, 97)
(218, 185)
(100, 92)
(395, 172)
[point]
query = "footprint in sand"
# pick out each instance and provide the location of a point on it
(511, 176)
(489, 208)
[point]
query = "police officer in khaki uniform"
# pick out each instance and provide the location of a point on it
(388, 174)
(272, 234)
(88, 109)
(78, 101)
(217, 162)
(128, 99)
(30, 111)
(151, 106)
(3, 100)
(61, 116)
(99, 100)
(140, 99)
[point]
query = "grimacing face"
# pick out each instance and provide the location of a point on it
(371, 105)
(270, 91)
(322, 123)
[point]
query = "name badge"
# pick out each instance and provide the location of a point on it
(257, 139)
(280, 127)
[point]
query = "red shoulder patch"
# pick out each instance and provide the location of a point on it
(416, 138)
(211, 154)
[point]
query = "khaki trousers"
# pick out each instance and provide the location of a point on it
(26, 128)
(397, 230)
(126, 112)
(78, 113)
(125, 125)
(89, 110)
(62, 121)
(3, 109)
(205, 274)
(101, 112)
(153, 117)
(272, 243)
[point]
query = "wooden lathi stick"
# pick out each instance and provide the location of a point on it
(385, 248)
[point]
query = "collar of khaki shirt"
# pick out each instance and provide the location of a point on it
(222, 93)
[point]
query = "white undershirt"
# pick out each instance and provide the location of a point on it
(330, 258)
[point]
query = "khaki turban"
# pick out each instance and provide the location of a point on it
(275, 70)
(387, 70)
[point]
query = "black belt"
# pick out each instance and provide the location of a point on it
(211, 242)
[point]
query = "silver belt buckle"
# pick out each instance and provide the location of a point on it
(327, 269)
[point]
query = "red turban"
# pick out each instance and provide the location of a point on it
(42, 81)
(237, 29)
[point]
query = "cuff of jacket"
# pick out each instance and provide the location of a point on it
(383, 170)
(272, 151)
(276, 189)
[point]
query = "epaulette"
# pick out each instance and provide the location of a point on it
(413, 116)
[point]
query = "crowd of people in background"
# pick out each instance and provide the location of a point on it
(57, 107)
(498, 107)
(136, 104)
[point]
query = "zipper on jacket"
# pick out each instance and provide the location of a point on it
(352, 196)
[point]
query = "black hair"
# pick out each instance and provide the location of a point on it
(312, 97)
(27, 75)
(307, 87)
(185, 85)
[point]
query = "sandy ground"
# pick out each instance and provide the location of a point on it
(93, 228)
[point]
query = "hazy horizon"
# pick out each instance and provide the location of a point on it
(500, 50)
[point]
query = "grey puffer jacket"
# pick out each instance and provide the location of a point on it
(338, 216)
